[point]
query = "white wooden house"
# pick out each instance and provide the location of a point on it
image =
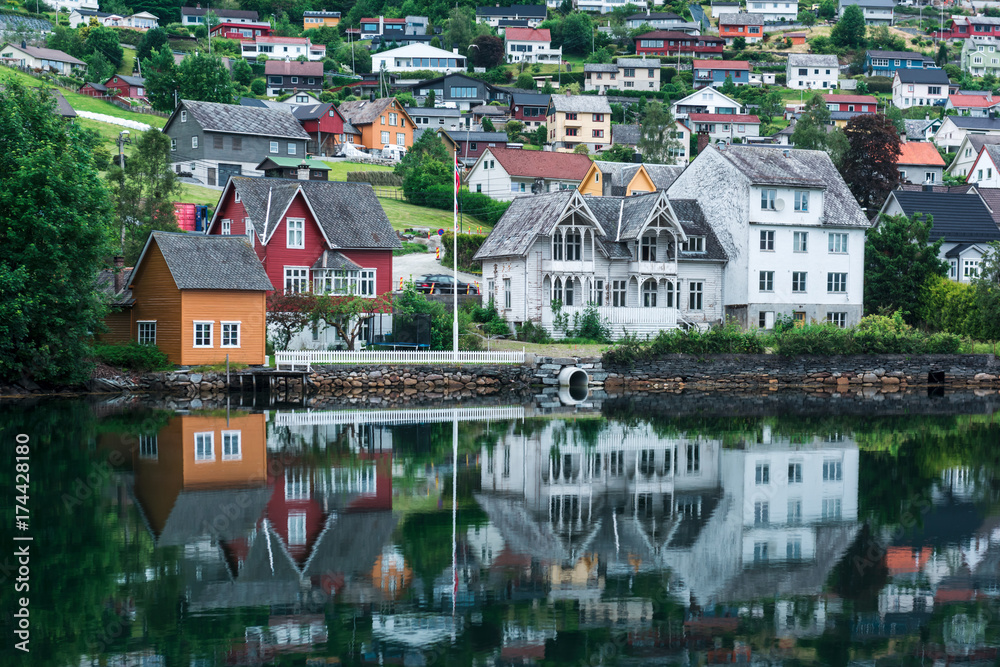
(647, 262)
(793, 233)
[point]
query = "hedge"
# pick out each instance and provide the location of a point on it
(383, 178)
(468, 246)
(132, 356)
(946, 305)
(878, 84)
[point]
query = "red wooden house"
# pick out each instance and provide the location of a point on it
(119, 85)
(470, 145)
(325, 125)
(230, 30)
(672, 42)
(855, 103)
(311, 236)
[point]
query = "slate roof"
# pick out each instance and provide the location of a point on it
(237, 119)
(422, 111)
(331, 259)
(291, 162)
(62, 106)
(992, 198)
(694, 223)
(458, 135)
(130, 80)
(974, 123)
(798, 167)
(581, 103)
(880, 4)
(106, 286)
(518, 228)
(663, 175)
(541, 164)
(937, 76)
(740, 18)
(312, 111)
(916, 129)
(600, 67)
(638, 62)
(348, 213)
(958, 218)
(97, 86)
(532, 99)
(293, 68)
(919, 187)
(217, 262)
(921, 153)
(654, 15)
(47, 54)
(625, 134)
(365, 112)
(899, 55)
(812, 60)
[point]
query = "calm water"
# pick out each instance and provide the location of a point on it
(691, 529)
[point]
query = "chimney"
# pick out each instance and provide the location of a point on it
(786, 152)
(24, 44)
(119, 283)
(928, 187)
(703, 140)
(381, 24)
(302, 173)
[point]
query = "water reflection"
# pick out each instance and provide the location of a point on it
(628, 536)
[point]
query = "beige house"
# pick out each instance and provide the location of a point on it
(626, 74)
(579, 119)
(34, 57)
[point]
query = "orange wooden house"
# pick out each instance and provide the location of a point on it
(380, 122)
(198, 298)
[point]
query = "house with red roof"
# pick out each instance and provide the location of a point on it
(969, 103)
(674, 42)
(282, 48)
(530, 45)
(506, 173)
(387, 30)
(725, 127)
(851, 103)
(715, 72)
(920, 162)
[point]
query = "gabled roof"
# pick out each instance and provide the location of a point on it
(916, 129)
(294, 68)
(797, 167)
(314, 111)
(622, 173)
(541, 164)
(958, 218)
(216, 262)
(740, 18)
(364, 112)
(221, 13)
(720, 64)
(45, 54)
(62, 106)
(922, 76)
(663, 175)
(527, 35)
(899, 55)
(972, 101)
(270, 162)
(600, 67)
(638, 62)
(677, 34)
(522, 223)
(713, 92)
(348, 214)
(920, 153)
(531, 99)
(974, 123)
(237, 119)
(812, 60)
(581, 103)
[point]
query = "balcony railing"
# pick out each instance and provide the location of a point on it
(563, 266)
(653, 268)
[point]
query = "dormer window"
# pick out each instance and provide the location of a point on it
(694, 244)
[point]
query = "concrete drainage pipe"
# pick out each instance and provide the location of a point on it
(573, 384)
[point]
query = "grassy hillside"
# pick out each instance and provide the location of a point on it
(404, 215)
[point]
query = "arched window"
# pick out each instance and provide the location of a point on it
(557, 246)
(649, 248)
(557, 290)
(570, 291)
(649, 294)
(669, 292)
(574, 245)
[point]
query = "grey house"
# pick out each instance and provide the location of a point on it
(215, 141)
(438, 118)
(459, 90)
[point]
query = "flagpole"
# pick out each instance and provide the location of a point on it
(454, 256)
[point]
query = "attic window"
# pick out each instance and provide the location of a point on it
(238, 199)
(694, 244)
(184, 116)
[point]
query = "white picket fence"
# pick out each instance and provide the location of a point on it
(414, 416)
(306, 359)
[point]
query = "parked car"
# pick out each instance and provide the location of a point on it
(392, 152)
(439, 283)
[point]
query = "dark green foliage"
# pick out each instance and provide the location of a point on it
(577, 34)
(899, 260)
(105, 40)
(618, 153)
(468, 246)
(486, 51)
(383, 178)
(526, 82)
(810, 129)
(986, 315)
(242, 73)
(947, 305)
(728, 339)
(879, 84)
(875, 334)
(869, 164)
(152, 40)
(54, 214)
(258, 87)
(132, 356)
(529, 332)
(850, 29)
(204, 78)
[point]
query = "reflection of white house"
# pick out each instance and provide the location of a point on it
(646, 262)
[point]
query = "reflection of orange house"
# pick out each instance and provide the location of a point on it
(200, 298)
(906, 560)
(180, 471)
(382, 122)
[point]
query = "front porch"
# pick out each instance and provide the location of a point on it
(634, 320)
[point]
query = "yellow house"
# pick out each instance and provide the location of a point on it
(579, 119)
(312, 20)
(617, 179)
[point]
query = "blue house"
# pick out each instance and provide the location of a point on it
(885, 63)
(714, 72)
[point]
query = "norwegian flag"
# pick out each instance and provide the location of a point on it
(458, 181)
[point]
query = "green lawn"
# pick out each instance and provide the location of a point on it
(195, 194)
(403, 216)
(339, 169)
(128, 62)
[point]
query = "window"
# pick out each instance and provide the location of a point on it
(970, 268)
(794, 473)
(767, 199)
(217, 142)
(800, 241)
(832, 470)
(761, 513)
(230, 334)
(296, 279)
(400, 139)
(694, 244)
(291, 148)
(479, 187)
(574, 245)
(227, 226)
(933, 90)
(649, 294)
(597, 293)
(618, 293)
(801, 201)
(231, 450)
(148, 447)
(204, 447)
(831, 508)
(570, 116)
(836, 283)
(648, 249)
(837, 242)
(695, 296)
(274, 147)
(837, 319)
(385, 137)
(693, 457)
(194, 142)
(599, 117)
(237, 197)
(793, 549)
(184, 116)
(794, 511)
(506, 293)
(341, 281)
(296, 528)
(173, 144)
(798, 281)
(572, 132)
(767, 281)
(393, 118)
(295, 233)
(146, 333)
(203, 334)
(763, 473)
(767, 240)
(597, 134)
(952, 268)
(249, 228)
(760, 552)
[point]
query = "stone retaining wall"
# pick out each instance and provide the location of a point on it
(436, 379)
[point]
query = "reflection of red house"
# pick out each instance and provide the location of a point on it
(907, 560)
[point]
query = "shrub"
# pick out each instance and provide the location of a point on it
(132, 356)
(468, 246)
(727, 339)
(947, 306)
(530, 332)
(384, 178)
(875, 334)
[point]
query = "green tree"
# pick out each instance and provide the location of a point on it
(242, 72)
(541, 136)
(770, 106)
(160, 73)
(739, 44)
(258, 87)
(429, 100)
(986, 314)
(807, 18)
(67, 40)
(426, 165)
(105, 40)
(205, 78)
(827, 9)
(461, 28)
(849, 32)
(895, 114)
(143, 193)
(526, 82)
(54, 213)
(548, 89)
(486, 51)
(869, 165)
(151, 40)
(99, 68)
(899, 260)
(811, 127)
(488, 125)
(514, 128)
(728, 87)
(941, 59)
(356, 56)
(618, 153)
(577, 34)
(656, 140)
(581, 149)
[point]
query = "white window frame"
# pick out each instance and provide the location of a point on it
(230, 324)
(295, 238)
(227, 227)
(211, 333)
(304, 278)
(800, 241)
(799, 281)
(802, 201)
(228, 438)
(274, 147)
(199, 441)
(184, 116)
(836, 282)
(837, 243)
(291, 148)
(767, 240)
(194, 142)
(767, 197)
(139, 333)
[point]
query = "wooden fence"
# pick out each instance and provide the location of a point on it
(413, 416)
(307, 358)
